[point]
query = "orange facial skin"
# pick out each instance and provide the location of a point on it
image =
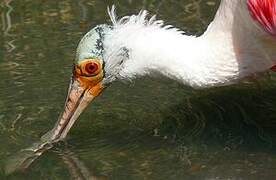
(90, 75)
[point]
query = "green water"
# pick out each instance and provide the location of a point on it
(153, 128)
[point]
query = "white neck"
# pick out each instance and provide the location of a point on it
(199, 62)
(185, 58)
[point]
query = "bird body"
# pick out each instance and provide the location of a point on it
(239, 43)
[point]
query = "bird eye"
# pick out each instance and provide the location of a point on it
(91, 68)
(88, 68)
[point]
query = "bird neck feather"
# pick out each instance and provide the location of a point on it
(139, 46)
(154, 49)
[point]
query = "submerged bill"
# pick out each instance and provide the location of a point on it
(25, 157)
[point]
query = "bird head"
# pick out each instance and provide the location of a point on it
(88, 80)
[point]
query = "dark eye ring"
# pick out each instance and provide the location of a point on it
(91, 67)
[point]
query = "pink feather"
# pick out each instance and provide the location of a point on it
(264, 11)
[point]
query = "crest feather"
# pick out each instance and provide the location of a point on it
(142, 19)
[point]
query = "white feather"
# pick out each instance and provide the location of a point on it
(223, 55)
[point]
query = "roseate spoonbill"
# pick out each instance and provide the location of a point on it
(239, 43)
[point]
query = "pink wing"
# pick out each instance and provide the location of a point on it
(264, 12)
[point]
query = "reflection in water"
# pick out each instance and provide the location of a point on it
(7, 24)
(77, 168)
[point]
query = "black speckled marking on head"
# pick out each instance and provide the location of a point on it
(91, 45)
(125, 54)
(99, 42)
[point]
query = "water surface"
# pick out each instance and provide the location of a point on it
(153, 128)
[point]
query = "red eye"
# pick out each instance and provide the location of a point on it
(91, 68)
